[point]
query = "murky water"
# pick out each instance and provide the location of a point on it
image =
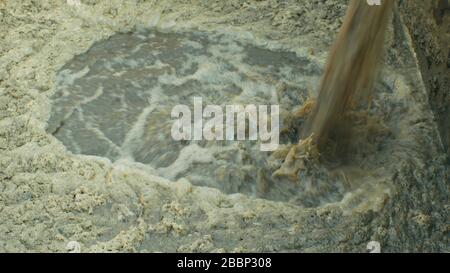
(116, 99)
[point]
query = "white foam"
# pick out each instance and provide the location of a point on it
(189, 155)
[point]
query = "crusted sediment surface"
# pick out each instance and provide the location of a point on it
(429, 27)
(49, 196)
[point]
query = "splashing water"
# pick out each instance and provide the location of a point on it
(115, 101)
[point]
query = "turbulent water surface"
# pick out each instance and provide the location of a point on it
(116, 101)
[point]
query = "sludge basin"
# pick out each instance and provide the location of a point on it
(87, 154)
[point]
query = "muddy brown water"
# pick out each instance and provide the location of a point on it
(350, 73)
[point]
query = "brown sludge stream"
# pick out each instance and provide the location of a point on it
(350, 73)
